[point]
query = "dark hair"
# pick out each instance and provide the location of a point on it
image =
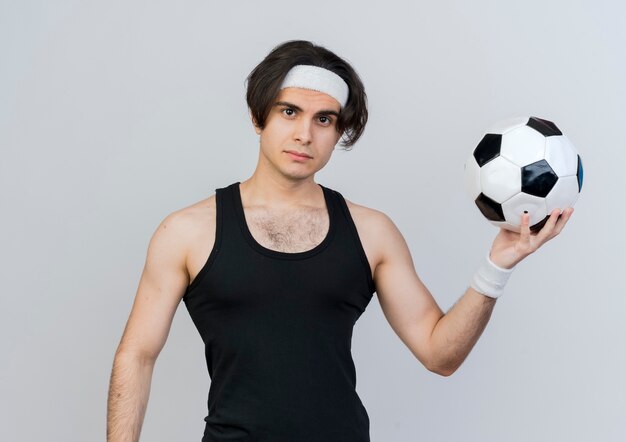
(263, 85)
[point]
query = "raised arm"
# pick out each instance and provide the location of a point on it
(443, 341)
(161, 287)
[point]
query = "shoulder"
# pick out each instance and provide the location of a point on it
(190, 217)
(368, 218)
(177, 230)
(376, 231)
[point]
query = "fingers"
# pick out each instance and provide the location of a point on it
(565, 216)
(546, 231)
(528, 242)
(555, 224)
(525, 230)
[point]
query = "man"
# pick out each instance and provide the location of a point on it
(275, 271)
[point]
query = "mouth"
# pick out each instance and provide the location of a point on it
(298, 155)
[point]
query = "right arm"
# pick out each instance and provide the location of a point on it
(163, 282)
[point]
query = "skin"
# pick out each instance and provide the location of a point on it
(281, 185)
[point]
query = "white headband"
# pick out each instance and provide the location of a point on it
(317, 79)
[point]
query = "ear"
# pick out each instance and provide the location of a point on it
(257, 129)
(339, 135)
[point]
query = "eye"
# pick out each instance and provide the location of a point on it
(288, 111)
(325, 120)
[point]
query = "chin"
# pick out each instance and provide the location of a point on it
(298, 176)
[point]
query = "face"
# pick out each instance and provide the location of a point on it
(301, 121)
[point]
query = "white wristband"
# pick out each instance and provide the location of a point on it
(490, 279)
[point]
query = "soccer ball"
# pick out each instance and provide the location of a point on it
(523, 165)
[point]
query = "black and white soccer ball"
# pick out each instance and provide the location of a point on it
(523, 164)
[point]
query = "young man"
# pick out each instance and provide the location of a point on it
(276, 270)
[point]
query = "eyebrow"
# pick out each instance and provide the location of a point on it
(299, 109)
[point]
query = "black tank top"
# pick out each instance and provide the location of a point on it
(277, 329)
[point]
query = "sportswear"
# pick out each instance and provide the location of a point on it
(277, 330)
(490, 279)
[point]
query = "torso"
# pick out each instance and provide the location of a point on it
(286, 232)
(290, 232)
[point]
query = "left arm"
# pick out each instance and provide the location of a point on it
(443, 341)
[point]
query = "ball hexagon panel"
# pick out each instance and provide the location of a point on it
(502, 127)
(489, 208)
(523, 146)
(514, 207)
(487, 149)
(561, 155)
(500, 179)
(472, 178)
(538, 178)
(563, 194)
(507, 226)
(544, 127)
(518, 228)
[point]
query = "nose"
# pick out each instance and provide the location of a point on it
(303, 131)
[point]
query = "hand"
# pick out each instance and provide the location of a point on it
(509, 247)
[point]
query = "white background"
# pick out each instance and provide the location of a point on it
(114, 114)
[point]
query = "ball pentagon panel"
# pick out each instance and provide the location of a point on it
(579, 174)
(490, 209)
(487, 149)
(538, 226)
(544, 127)
(538, 178)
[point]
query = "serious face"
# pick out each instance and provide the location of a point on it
(301, 121)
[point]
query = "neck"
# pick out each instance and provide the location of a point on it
(280, 192)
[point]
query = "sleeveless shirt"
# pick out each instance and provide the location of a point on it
(277, 330)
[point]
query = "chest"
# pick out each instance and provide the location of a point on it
(290, 232)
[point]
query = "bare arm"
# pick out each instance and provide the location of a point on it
(161, 287)
(442, 342)
(456, 332)
(129, 391)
